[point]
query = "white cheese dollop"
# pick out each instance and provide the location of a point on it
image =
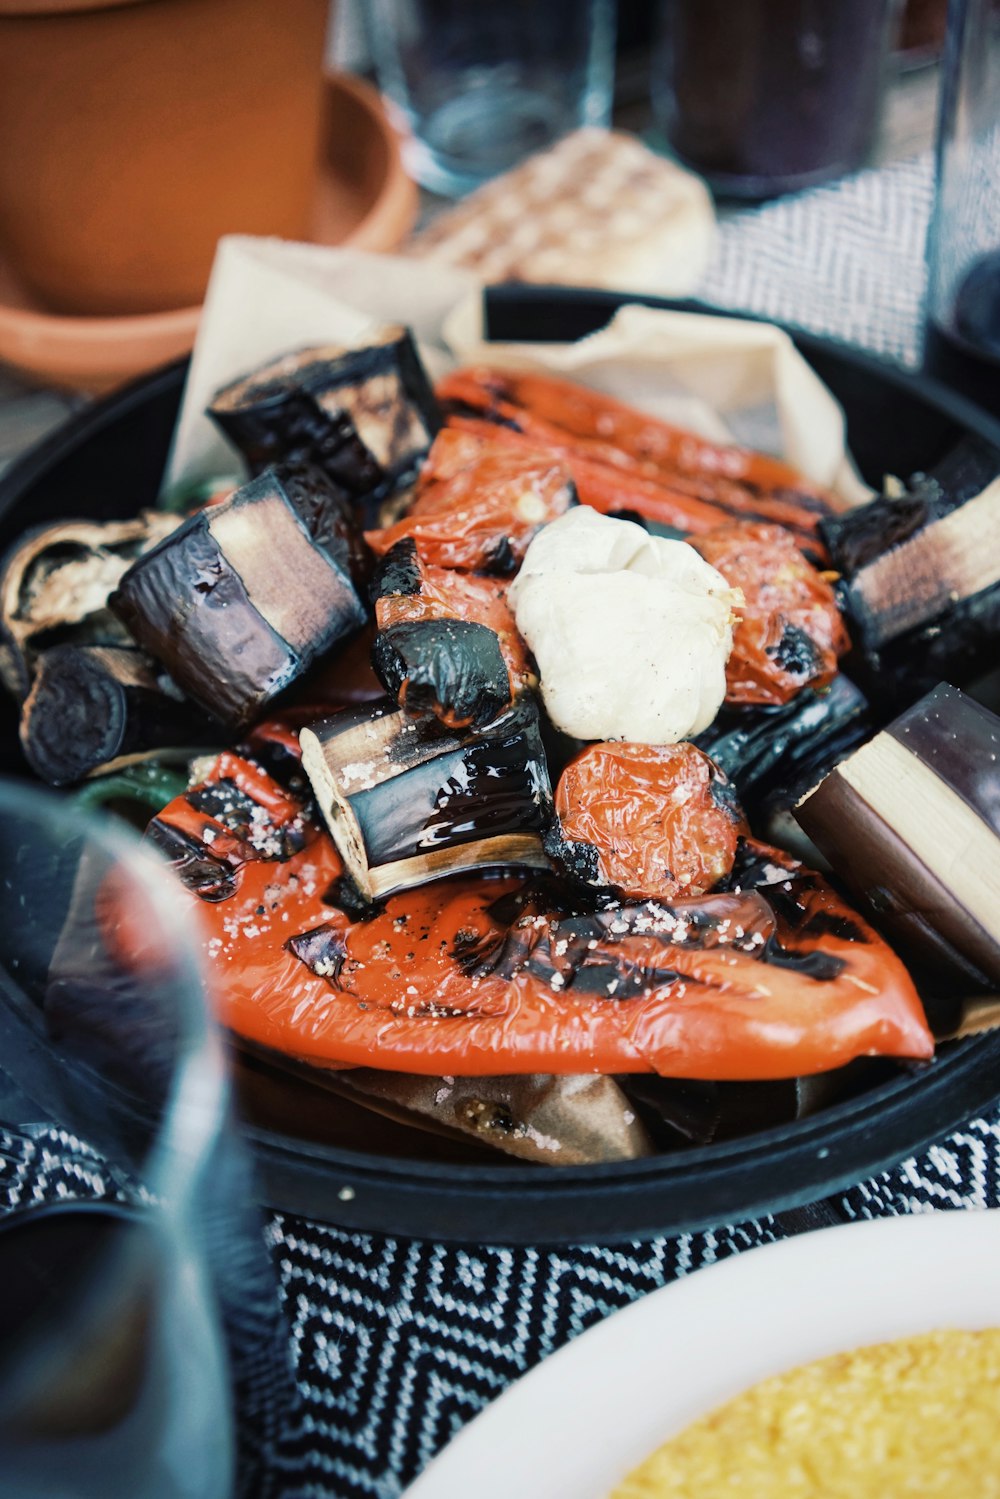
(631, 633)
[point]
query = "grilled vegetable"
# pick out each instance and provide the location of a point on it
(408, 800)
(136, 790)
(789, 632)
(773, 755)
(911, 821)
(478, 504)
(242, 598)
(644, 821)
(238, 814)
(95, 708)
(446, 642)
(774, 977)
(921, 587)
(623, 460)
(451, 668)
(366, 416)
(55, 583)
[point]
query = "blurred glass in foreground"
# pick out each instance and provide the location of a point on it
(138, 1317)
(764, 97)
(479, 87)
(963, 246)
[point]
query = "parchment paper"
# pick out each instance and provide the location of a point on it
(726, 378)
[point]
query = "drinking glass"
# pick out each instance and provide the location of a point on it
(137, 1310)
(770, 96)
(962, 343)
(479, 87)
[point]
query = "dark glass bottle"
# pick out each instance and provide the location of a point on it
(768, 96)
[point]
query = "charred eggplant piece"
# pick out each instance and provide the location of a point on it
(452, 668)
(95, 708)
(773, 755)
(242, 598)
(407, 800)
(911, 821)
(447, 643)
(921, 587)
(366, 416)
(55, 583)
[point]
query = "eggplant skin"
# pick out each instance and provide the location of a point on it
(242, 598)
(92, 705)
(770, 753)
(453, 668)
(366, 415)
(481, 785)
(398, 574)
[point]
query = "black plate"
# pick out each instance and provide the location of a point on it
(108, 461)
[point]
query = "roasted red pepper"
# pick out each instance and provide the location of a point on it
(622, 459)
(479, 501)
(789, 630)
(650, 821)
(773, 977)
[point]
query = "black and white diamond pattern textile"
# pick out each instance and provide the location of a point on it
(397, 1343)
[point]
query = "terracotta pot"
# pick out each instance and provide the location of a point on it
(134, 132)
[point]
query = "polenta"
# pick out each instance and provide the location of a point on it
(917, 1416)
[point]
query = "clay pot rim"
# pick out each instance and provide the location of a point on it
(98, 352)
(23, 10)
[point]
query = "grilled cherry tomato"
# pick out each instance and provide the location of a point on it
(789, 631)
(650, 821)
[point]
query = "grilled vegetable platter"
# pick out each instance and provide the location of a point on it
(480, 725)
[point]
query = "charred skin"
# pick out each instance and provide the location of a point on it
(408, 800)
(789, 632)
(921, 587)
(645, 822)
(623, 460)
(55, 583)
(774, 755)
(446, 642)
(97, 708)
(774, 977)
(478, 504)
(366, 416)
(451, 668)
(241, 599)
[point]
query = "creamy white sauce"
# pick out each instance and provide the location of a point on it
(631, 633)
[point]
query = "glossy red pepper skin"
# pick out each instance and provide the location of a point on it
(487, 976)
(478, 503)
(622, 459)
(789, 631)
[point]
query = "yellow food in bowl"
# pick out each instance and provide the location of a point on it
(918, 1416)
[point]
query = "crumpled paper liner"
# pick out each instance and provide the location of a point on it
(727, 378)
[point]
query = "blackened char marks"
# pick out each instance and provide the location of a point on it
(322, 950)
(210, 878)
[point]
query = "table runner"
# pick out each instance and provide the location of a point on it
(398, 1342)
